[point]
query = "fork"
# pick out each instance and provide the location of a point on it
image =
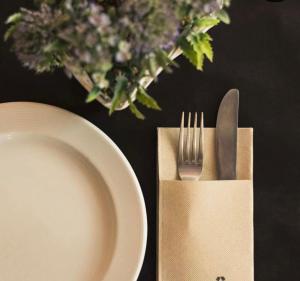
(190, 149)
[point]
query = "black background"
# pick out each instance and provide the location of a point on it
(259, 53)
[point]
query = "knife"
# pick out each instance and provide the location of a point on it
(226, 135)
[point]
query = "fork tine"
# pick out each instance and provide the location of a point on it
(190, 148)
(194, 153)
(188, 139)
(181, 140)
(201, 138)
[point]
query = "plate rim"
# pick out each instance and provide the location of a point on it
(130, 172)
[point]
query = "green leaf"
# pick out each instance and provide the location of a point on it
(195, 56)
(146, 100)
(164, 61)
(227, 3)
(202, 42)
(52, 47)
(203, 23)
(165, 58)
(135, 110)
(119, 91)
(93, 94)
(206, 48)
(223, 16)
(152, 65)
(14, 18)
(9, 32)
(106, 66)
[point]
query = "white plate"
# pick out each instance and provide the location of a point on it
(71, 207)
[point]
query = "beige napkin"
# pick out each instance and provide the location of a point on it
(205, 228)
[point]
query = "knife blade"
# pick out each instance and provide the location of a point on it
(226, 135)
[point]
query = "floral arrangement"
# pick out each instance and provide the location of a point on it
(117, 43)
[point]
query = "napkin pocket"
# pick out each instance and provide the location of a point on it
(205, 230)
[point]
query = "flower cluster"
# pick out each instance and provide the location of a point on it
(116, 42)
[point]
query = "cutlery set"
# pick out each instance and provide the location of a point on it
(205, 198)
(190, 148)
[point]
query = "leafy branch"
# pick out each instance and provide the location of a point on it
(117, 44)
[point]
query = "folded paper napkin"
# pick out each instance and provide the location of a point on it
(205, 227)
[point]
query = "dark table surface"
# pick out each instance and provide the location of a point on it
(259, 53)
